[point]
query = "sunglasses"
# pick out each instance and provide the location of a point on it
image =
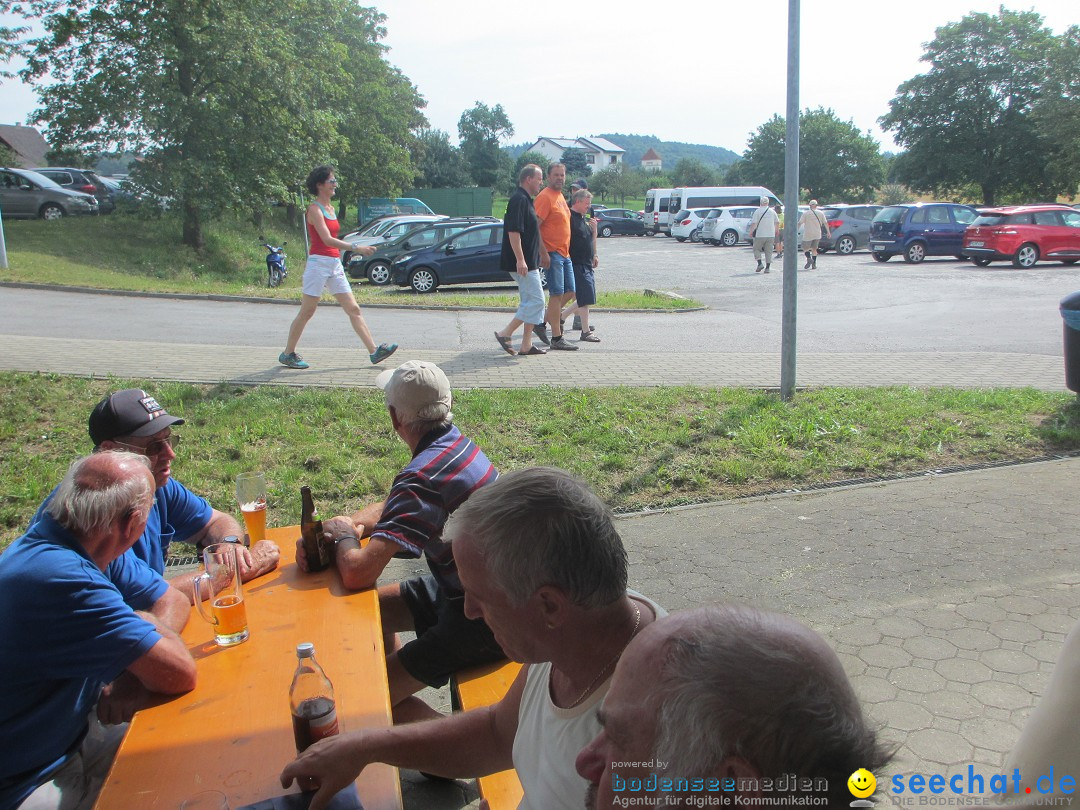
(155, 448)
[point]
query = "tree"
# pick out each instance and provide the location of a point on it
(1057, 114)
(576, 162)
(836, 161)
(480, 130)
(525, 158)
(968, 119)
(222, 97)
(439, 164)
(692, 172)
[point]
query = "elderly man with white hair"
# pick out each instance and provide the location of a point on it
(445, 470)
(814, 227)
(763, 228)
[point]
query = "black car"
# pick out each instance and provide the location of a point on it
(610, 221)
(82, 180)
(376, 267)
(469, 257)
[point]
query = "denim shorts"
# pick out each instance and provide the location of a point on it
(531, 289)
(324, 272)
(584, 284)
(560, 274)
(446, 641)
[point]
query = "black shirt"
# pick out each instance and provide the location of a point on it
(581, 239)
(520, 218)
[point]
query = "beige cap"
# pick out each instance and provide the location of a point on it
(417, 391)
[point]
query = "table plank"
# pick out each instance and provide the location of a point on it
(233, 733)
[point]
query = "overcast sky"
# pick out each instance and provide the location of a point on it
(708, 72)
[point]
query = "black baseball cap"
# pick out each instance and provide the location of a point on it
(131, 412)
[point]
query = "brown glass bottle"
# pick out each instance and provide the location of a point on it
(315, 546)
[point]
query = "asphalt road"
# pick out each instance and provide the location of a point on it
(849, 304)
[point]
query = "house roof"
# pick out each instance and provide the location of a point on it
(562, 143)
(26, 142)
(651, 155)
(603, 144)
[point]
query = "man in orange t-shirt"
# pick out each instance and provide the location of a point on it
(554, 216)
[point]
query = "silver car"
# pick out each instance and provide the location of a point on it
(26, 195)
(727, 226)
(850, 226)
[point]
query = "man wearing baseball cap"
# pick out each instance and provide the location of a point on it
(446, 468)
(133, 420)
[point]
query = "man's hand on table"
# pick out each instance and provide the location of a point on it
(258, 560)
(334, 529)
(328, 766)
(120, 700)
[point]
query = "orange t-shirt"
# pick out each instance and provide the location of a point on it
(554, 216)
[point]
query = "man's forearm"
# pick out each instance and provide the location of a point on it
(171, 611)
(369, 516)
(515, 245)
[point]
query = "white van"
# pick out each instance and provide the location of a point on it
(719, 196)
(658, 211)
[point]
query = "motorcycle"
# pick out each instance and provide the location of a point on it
(275, 263)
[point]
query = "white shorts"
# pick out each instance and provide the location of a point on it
(324, 272)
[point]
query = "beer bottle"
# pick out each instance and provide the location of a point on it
(315, 545)
(311, 699)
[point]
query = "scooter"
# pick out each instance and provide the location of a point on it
(275, 263)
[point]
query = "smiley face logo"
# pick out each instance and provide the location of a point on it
(862, 783)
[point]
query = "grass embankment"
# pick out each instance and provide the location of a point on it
(637, 447)
(125, 252)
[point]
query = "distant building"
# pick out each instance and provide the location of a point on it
(651, 161)
(27, 144)
(600, 153)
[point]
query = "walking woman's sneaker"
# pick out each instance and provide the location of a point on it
(292, 360)
(381, 353)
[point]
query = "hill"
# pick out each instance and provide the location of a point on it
(670, 151)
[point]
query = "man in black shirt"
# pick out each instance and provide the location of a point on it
(521, 256)
(584, 258)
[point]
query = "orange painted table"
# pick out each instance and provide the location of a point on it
(233, 733)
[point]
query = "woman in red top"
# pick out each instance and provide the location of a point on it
(324, 271)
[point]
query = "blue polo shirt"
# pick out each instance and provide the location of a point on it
(177, 514)
(68, 629)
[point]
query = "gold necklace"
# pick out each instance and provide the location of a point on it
(612, 662)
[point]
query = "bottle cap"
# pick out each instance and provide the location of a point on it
(305, 650)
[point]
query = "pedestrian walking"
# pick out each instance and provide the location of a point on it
(583, 255)
(763, 229)
(521, 256)
(814, 227)
(779, 232)
(554, 216)
(324, 271)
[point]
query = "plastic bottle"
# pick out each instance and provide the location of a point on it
(311, 699)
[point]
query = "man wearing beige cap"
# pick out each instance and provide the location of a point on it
(446, 468)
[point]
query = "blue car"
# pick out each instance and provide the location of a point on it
(918, 230)
(468, 257)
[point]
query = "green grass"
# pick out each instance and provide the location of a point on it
(122, 252)
(637, 447)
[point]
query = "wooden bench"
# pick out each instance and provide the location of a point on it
(482, 686)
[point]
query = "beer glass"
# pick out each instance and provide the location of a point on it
(251, 493)
(221, 584)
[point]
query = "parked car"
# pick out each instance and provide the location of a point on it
(687, 224)
(121, 192)
(377, 267)
(469, 257)
(611, 221)
(83, 180)
(727, 226)
(26, 194)
(918, 230)
(850, 227)
(1024, 234)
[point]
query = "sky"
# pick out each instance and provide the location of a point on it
(708, 73)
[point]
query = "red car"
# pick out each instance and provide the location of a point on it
(1024, 234)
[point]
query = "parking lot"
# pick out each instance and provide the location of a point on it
(850, 303)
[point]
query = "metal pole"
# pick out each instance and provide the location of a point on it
(3, 246)
(303, 222)
(791, 210)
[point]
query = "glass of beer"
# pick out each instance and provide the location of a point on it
(251, 493)
(220, 585)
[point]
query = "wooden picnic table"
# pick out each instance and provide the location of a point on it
(233, 733)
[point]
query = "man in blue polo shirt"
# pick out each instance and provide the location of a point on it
(133, 420)
(446, 468)
(85, 624)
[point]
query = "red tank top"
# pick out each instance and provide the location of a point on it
(318, 247)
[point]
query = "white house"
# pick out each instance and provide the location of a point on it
(600, 153)
(651, 161)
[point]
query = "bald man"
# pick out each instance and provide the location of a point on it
(89, 633)
(734, 696)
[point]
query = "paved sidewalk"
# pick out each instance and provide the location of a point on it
(249, 365)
